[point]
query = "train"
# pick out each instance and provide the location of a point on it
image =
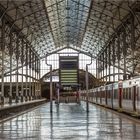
(122, 95)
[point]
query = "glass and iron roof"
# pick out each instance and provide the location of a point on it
(54, 24)
(51, 25)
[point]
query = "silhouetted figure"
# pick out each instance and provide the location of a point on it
(77, 97)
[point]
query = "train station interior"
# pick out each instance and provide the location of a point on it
(69, 69)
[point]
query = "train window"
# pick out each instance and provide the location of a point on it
(126, 93)
(104, 93)
(137, 93)
(115, 94)
(109, 93)
(123, 93)
(129, 93)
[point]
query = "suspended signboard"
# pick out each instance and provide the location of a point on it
(68, 70)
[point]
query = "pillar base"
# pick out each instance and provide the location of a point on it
(30, 98)
(34, 97)
(10, 99)
(22, 99)
(2, 100)
(39, 97)
(26, 98)
(17, 99)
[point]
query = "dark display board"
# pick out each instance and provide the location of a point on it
(68, 70)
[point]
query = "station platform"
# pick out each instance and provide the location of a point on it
(7, 106)
(10, 110)
(69, 122)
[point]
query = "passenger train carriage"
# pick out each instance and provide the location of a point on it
(122, 95)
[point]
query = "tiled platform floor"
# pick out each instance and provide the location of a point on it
(69, 122)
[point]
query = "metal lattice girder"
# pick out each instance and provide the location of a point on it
(132, 32)
(86, 25)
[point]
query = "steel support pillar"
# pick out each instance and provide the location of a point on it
(3, 55)
(11, 54)
(124, 54)
(39, 78)
(109, 61)
(22, 61)
(22, 84)
(87, 86)
(103, 67)
(35, 80)
(26, 84)
(97, 68)
(30, 91)
(133, 45)
(17, 71)
(114, 59)
(118, 56)
(106, 63)
(51, 91)
(33, 76)
(33, 85)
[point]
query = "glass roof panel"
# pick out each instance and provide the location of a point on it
(50, 25)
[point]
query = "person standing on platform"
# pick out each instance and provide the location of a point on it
(57, 94)
(77, 97)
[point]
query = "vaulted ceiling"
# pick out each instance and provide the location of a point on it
(51, 25)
